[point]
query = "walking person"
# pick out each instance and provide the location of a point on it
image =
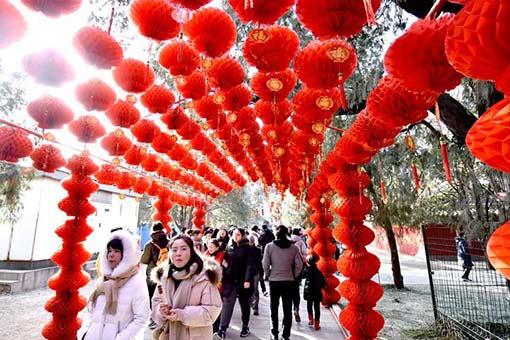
(214, 251)
(463, 255)
(237, 282)
(155, 252)
(119, 305)
(312, 291)
(187, 300)
(296, 295)
(282, 260)
(257, 255)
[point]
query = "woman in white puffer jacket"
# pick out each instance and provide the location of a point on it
(119, 305)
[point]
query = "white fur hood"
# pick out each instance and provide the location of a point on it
(130, 255)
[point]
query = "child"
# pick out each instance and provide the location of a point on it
(312, 292)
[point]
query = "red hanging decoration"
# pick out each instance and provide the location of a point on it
(235, 98)
(141, 185)
(50, 112)
(48, 67)
(95, 95)
(273, 86)
(179, 58)
(14, 144)
(12, 24)
(98, 48)
(125, 180)
(116, 143)
(383, 192)
(145, 130)
(154, 19)
(212, 31)
(157, 99)
(107, 175)
(47, 158)
(260, 11)
(190, 4)
(151, 162)
(446, 162)
(123, 114)
(225, 73)
(163, 142)
(53, 9)
(498, 250)
(87, 129)
(135, 155)
(193, 86)
(133, 75)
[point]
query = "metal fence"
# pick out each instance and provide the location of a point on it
(476, 309)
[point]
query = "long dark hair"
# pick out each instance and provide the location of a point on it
(194, 258)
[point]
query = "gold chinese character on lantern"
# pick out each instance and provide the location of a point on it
(259, 35)
(338, 54)
(278, 152)
(131, 99)
(180, 81)
(231, 117)
(271, 134)
(410, 143)
(324, 103)
(118, 133)
(313, 141)
(318, 128)
(245, 139)
(219, 98)
(274, 84)
(206, 64)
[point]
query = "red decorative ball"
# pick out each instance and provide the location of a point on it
(95, 95)
(76, 207)
(273, 113)
(155, 188)
(82, 165)
(70, 280)
(371, 132)
(175, 118)
(321, 235)
(193, 86)
(48, 67)
(50, 112)
(352, 207)
(212, 31)
(125, 180)
(190, 4)
(116, 143)
(324, 249)
(428, 69)
(361, 292)
(133, 75)
(225, 73)
(189, 130)
(79, 187)
(349, 183)
(330, 296)
(98, 48)
(154, 19)
(362, 322)
(163, 142)
(179, 58)
(207, 107)
(142, 185)
(135, 155)
(178, 152)
(87, 129)
(235, 98)
(145, 130)
(66, 303)
(327, 266)
(61, 328)
(157, 99)
(332, 282)
(123, 114)
(273, 86)
(151, 162)
(14, 144)
(53, 9)
(358, 264)
(71, 256)
(260, 11)
(12, 24)
(352, 152)
(47, 158)
(317, 104)
(107, 175)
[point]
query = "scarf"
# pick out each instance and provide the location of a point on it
(110, 288)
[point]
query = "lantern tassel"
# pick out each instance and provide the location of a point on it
(383, 192)
(416, 176)
(370, 13)
(446, 162)
(343, 101)
(112, 13)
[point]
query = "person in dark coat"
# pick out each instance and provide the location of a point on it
(237, 282)
(151, 254)
(312, 291)
(257, 254)
(463, 255)
(266, 237)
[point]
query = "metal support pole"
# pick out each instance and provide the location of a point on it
(431, 282)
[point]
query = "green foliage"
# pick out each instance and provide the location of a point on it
(13, 182)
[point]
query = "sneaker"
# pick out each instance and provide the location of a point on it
(256, 312)
(220, 334)
(297, 317)
(244, 332)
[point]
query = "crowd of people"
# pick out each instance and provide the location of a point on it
(193, 280)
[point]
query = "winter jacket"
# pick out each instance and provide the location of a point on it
(463, 255)
(300, 244)
(314, 282)
(257, 256)
(240, 267)
(266, 238)
(151, 252)
(282, 261)
(133, 310)
(199, 309)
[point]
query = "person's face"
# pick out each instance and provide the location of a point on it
(114, 256)
(180, 253)
(222, 233)
(212, 247)
(236, 235)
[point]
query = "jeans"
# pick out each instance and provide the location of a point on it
(229, 300)
(283, 290)
(254, 300)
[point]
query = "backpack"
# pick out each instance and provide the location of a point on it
(163, 254)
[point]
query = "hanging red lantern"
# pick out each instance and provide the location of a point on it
(53, 9)
(260, 11)
(79, 187)
(179, 58)
(273, 86)
(116, 143)
(87, 129)
(193, 86)
(476, 28)
(142, 184)
(352, 207)
(135, 155)
(12, 24)
(123, 114)
(50, 112)
(75, 230)
(498, 250)
(79, 207)
(329, 19)
(97, 47)
(48, 67)
(70, 280)
(62, 327)
(212, 31)
(95, 95)
(163, 142)
(225, 72)
(82, 165)
(353, 152)
(190, 4)
(157, 99)
(107, 175)
(155, 188)
(125, 180)
(235, 98)
(154, 19)
(361, 292)
(151, 162)
(175, 118)
(358, 264)
(178, 152)
(207, 107)
(189, 130)
(489, 138)
(428, 69)
(133, 75)
(14, 144)
(361, 322)
(66, 304)
(145, 130)
(309, 101)
(271, 49)
(47, 158)
(353, 233)
(371, 132)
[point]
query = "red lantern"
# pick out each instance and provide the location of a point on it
(157, 99)
(79, 207)
(212, 31)
(135, 155)
(225, 73)
(358, 264)
(95, 95)
(189, 130)
(65, 304)
(87, 129)
(321, 103)
(353, 152)
(107, 175)
(60, 328)
(80, 187)
(50, 112)
(178, 152)
(373, 133)
(271, 49)
(428, 69)
(123, 114)
(190, 4)
(53, 9)
(116, 143)
(352, 207)
(273, 86)
(329, 19)
(179, 58)
(164, 142)
(260, 11)
(193, 86)
(125, 180)
(47, 158)
(489, 138)
(498, 250)
(133, 75)
(14, 144)
(142, 184)
(154, 19)
(361, 292)
(151, 162)
(145, 130)
(71, 256)
(69, 280)
(12, 24)
(235, 98)
(48, 67)
(476, 44)
(82, 165)
(362, 322)
(155, 188)
(98, 48)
